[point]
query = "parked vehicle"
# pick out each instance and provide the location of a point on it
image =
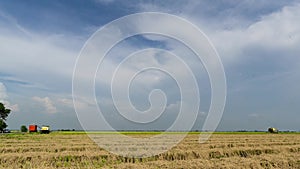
(45, 130)
(34, 128)
(272, 130)
(6, 131)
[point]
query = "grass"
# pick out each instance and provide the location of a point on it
(74, 149)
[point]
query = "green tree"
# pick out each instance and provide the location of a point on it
(23, 128)
(4, 112)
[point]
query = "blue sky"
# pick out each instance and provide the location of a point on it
(258, 43)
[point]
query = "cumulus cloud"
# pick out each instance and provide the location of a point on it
(275, 31)
(4, 99)
(46, 103)
(80, 102)
(66, 102)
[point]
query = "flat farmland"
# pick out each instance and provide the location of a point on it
(222, 150)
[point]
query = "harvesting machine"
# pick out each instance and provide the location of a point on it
(34, 128)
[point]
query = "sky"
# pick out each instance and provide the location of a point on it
(257, 42)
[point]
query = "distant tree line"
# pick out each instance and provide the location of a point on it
(66, 130)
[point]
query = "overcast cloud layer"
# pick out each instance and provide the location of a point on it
(258, 43)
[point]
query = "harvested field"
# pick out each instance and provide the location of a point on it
(223, 150)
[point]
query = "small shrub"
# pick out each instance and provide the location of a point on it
(23, 128)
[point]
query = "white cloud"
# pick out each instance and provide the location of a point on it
(80, 102)
(33, 56)
(47, 103)
(66, 102)
(44, 53)
(4, 99)
(274, 31)
(3, 94)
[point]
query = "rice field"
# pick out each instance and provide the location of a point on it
(222, 150)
